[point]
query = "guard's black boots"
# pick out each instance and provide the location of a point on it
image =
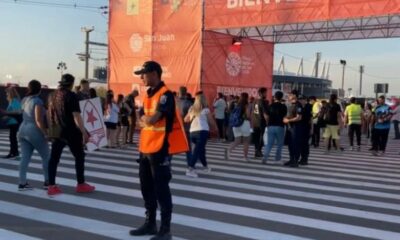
(163, 234)
(148, 228)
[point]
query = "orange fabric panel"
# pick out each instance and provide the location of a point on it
(222, 14)
(142, 30)
(235, 69)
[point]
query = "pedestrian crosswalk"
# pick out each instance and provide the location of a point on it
(350, 195)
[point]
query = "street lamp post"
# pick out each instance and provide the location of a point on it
(62, 66)
(87, 32)
(343, 62)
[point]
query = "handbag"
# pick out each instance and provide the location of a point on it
(54, 131)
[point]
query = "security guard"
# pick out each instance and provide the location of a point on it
(295, 129)
(160, 123)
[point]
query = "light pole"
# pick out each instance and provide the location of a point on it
(87, 32)
(62, 66)
(361, 78)
(343, 62)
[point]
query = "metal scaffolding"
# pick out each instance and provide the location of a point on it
(348, 29)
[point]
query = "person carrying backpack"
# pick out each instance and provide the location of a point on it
(240, 122)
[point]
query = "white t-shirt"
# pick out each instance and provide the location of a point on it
(112, 113)
(200, 123)
(220, 107)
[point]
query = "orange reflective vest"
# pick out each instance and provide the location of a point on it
(152, 137)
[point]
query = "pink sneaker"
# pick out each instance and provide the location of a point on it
(84, 188)
(53, 190)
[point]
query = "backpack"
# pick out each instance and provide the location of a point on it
(235, 118)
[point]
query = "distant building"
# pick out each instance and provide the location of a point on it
(308, 86)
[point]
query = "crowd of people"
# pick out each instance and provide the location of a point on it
(174, 123)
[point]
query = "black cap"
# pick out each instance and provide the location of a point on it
(148, 67)
(302, 97)
(67, 80)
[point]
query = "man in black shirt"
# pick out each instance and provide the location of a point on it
(333, 120)
(65, 112)
(276, 128)
(295, 129)
(306, 124)
(259, 123)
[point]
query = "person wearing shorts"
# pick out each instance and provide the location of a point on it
(243, 132)
(333, 119)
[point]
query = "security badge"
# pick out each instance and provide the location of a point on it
(163, 99)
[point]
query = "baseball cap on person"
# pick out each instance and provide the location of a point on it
(66, 80)
(148, 67)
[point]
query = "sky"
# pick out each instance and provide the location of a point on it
(34, 39)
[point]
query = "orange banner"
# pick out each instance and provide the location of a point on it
(142, 30)
(232, 69)
(222, 14)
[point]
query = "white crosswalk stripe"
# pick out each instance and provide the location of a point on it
(352, 195)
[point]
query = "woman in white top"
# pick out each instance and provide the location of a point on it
(201, 119)
(111, 119)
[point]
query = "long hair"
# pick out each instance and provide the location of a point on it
(109, 100)
(12, 93)
(243, 101)
(200, 102)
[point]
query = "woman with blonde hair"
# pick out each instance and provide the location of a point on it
(13, 118)
(200, 117)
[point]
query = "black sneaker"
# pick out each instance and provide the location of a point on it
(24, 187)
(11, 156)
(303, 163)
(46, 185)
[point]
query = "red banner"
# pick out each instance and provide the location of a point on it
(232, 69)
(222, 14)
(142, 30)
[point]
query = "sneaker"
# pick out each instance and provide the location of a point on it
(53, 190)
(24, 187)
(11, 156)
(206, 170)
(264, 161)
(84, 188)
(358, 148)
(190, 172)
(351, 149)
(46, 185)
(375, 153)
(303, 163)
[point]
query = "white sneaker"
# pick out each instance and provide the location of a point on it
(190, 172)
(206, 170)
(351, 149)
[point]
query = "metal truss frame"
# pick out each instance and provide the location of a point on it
(348, 29)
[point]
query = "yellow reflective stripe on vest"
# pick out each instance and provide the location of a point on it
(157, 129)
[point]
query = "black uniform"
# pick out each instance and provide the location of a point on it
(155, 169)
(295, 133)
(306, 122)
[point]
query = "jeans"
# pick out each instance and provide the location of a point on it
(76, 147)
(379, 139)
(355, 128)
(396, 129)
(199, 139)
(31, 138)
(13, 139)
(155, 176)
(275, 133)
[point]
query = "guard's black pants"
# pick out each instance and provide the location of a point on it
(295, 142)
(155, 175)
